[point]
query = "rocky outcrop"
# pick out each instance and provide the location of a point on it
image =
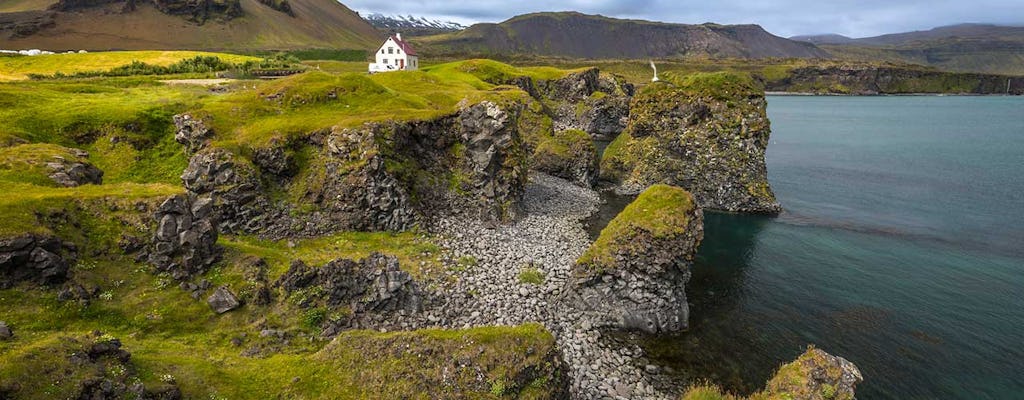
(706, 133)
(35, 258)
(71, 173)
(378, 177)
(92, 366)
(604, 117)
(223, 300)
(191, 132)
(370, 289)
(569, 155)
(232, 185)
(26, 23)
(185, 241)
(633, 276)
(200, 10)
(815, 375)
(279, 5)
(588, 101)
(494, 159)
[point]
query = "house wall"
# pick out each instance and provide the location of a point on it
(384, 56)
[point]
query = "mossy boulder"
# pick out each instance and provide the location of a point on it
(520, 362)
(568, 154)
(815, 375)
(634, 274)
(704, 132)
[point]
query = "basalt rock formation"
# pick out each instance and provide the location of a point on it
(706, 133)
(191, 132)
(35, 258)
(370, 289)
(568, 154)
(633, 276)
(71, 173)
(185, 241)
(378, 177)
(815, 375)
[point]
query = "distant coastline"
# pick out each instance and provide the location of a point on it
(777, 93)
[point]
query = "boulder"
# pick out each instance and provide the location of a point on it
(706, 133)
(222, 300)
(815, 375)
(185, 240)
(41, 259)
(71, 173)
(5, 331)
(569, 155)
(633, 277)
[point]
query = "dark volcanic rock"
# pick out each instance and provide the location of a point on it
(275, 159)
(191, 132)
(706, 134)
(94, 366)
(382, 176)
(570, 155)
(40, 259)
(79, 293)
(370, 288)
(185, 241)
(815, 375)
(222, 300)
(71, 173)
(279, 5)
(5, 331)
(491, 143)
(26, 23)
(634, 275)
(200, 10)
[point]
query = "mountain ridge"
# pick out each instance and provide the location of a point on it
(577, 35)
(984, 48)
(411, 25)
(178, 24)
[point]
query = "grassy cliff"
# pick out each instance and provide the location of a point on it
(125, 125)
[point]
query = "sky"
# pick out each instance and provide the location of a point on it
(854, 18)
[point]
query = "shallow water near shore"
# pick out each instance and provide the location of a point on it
(901, 249)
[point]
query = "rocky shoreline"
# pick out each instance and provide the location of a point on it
(549, 238)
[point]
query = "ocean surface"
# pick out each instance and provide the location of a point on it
(901, 249)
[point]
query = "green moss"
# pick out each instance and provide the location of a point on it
(531, 276)
(661, 211)
(416, 254)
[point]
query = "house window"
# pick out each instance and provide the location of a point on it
(391, 50)
(385, 61)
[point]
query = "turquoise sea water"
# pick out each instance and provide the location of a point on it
(901, 249)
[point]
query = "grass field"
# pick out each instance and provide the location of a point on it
(19, 68)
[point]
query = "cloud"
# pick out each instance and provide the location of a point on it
(855, 18)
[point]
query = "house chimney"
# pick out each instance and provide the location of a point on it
(398, 35)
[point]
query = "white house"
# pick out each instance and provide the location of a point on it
(395, 55)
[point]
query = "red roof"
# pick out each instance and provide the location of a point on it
(405, 46)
